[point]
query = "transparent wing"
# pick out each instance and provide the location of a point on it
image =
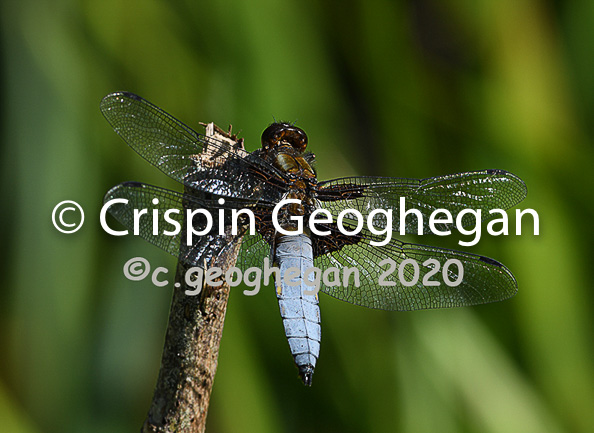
(481, 279)
(479, 190)
(201, 162)
(196, 250)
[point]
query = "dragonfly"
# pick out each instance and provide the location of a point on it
(218, 174)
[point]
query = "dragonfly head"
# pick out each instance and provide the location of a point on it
(279, 134)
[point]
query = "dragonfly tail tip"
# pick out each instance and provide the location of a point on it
(306, 374)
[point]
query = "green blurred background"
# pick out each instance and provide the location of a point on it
(406, 89)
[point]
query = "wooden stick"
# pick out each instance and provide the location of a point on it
(189, 362)
(181, 398)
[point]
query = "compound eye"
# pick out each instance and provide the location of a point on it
(296, 137)
(270, 136)
(279, 134)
